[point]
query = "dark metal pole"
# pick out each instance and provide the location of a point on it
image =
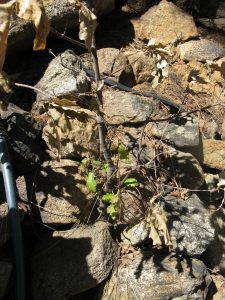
(13, 215)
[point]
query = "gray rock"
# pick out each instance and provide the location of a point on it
(184, 132)
(121, 107)
(63, 77)
(201, 50)
(185, 168)
(113, 63)
(52, 201)
(215, 254)
(5, 276)
(22, 130)
(189, 224)
(67, 263)
(154, 276)
(143, 65)
(136, 235)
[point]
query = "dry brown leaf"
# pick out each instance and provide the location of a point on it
(161, 219)
(33, 10)
(5, 13)
(88, 24)
(155, 236)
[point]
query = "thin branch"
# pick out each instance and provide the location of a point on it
(46, 94)
(68, 39)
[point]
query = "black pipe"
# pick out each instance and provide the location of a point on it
(13, 215)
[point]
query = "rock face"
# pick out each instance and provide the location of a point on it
(120, 107)
(142, 64)
(189, 224)
(22, 130)
(215, 255)
(5, 274)
(63, 200)
(114, 63)
(137, 235)
(184, 132)
(201, 50)
(185, 168)
(63, 77)
(71, 132)
(154, 277)
(70, 262)
(165, 23)
(214, 154)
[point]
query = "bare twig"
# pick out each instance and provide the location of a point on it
(46, 94)
(68, 39)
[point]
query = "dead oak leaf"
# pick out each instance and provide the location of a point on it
(88, 24)
(33, 10)
(5, 13)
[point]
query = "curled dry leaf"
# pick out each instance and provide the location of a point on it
(155, 236)
(88, 24)
(5, 13)
(156, 220)
(33, 10)
(161, 220)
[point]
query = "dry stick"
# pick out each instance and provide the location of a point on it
(68, 39)
(33, 88)
(99, 119)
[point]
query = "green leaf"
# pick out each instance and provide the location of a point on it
(107, 197)
(131, 182)
(95, 163)
(84, 164)
(106, 167)
(123, 153)
(113, 210)
(91, 182)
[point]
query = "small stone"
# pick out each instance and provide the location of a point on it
(113, 63)
(165, 23)
(63, 77)
(214, 154)
(121, 107)
(185, 168)
(201, 50)
(216, 252)
(183, 132)
(143, 65)
(137, 235)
